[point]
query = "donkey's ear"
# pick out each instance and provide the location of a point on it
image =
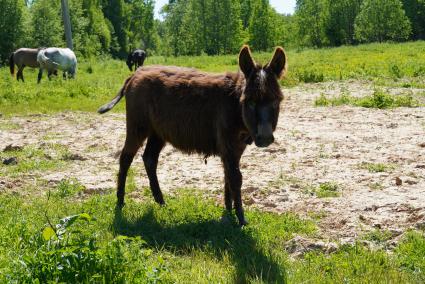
(278, 63)
(246, 63)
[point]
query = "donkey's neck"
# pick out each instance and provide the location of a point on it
(238, 84)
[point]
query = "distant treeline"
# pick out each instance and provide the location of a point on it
(194, 27)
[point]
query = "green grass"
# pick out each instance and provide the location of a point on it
(90, 241)
(327, 189)
(98, 80)
(32, 159)
(377, 167)
(378, 99)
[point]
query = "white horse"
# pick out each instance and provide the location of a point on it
(54, 58)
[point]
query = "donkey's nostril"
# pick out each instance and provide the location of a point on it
(263, 141)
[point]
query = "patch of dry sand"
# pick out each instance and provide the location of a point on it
(313, 145)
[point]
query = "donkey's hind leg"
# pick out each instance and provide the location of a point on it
(132, 144)
(150, 159)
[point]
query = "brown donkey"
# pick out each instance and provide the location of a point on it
(200, 113)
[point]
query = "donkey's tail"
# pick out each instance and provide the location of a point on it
(12, 64)
(107, 107)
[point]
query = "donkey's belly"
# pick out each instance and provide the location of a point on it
(188, 137)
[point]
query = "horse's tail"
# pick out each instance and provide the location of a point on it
(107, 107)
(12, 64)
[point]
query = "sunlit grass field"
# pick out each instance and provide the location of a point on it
(61, 238)
(98, 80)
(62, 234)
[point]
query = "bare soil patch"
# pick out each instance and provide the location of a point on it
(314, 145)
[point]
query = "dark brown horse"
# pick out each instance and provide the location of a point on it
(23, 57)
(202, 113)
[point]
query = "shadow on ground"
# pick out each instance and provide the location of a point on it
(250, 259)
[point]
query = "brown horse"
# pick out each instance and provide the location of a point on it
(202, 113)
(23, 57)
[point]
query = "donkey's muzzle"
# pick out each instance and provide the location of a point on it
(264, 141)
(264, 136)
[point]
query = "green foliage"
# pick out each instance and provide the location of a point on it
(378, 99)
(11, 27)
(194, 27)
(377, 167)
(312, 17)
(32, 159)
(98, 30)
(261, 27)
(382, 20)
(143, 243)
(141, 31)
(382, 100)
(180, 243)
(378, 236)
(68, 187)
(99, 79)
(116, 12)
(410, 255)
(340, 26)
(46, 24)
(415, 11)
(327, 189)
(350, 264)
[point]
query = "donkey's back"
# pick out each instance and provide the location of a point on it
(188, 108)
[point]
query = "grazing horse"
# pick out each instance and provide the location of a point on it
(197, 112)
(136, 58)
(54, 58)
(23, 57)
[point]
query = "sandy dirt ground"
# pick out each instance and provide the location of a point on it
(313, 145)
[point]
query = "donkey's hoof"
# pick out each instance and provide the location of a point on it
(243, 223)
(226, 220)
(120, 205)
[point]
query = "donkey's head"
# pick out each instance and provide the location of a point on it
(261, 96)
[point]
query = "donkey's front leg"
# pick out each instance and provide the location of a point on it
(233, 177)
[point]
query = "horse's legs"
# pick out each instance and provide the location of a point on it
(150, 159)
(40, 74)
(20, 73)
(132, 144)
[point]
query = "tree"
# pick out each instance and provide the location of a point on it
(46, 23)
(98, 31)
(415, 11)
(141, 31)
(382, 20)
(262, 29)
(116, 11)
(197, 26)
(11, 26)
(174, 12)
(312, 17)
(340, 25)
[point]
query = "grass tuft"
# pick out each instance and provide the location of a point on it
(378, 99)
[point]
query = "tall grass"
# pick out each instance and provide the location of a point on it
(98, 80)
(54, 239)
